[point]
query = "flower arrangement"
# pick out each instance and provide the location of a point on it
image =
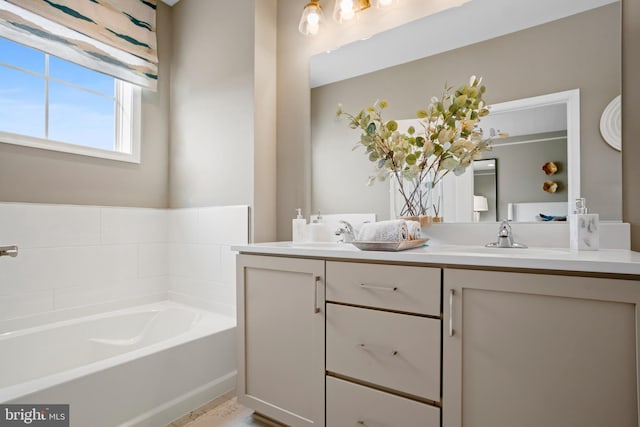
(449, 141)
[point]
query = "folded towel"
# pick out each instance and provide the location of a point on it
(414, 230)
(384, 231)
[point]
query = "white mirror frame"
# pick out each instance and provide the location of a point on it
(461, 206)
(571, 98)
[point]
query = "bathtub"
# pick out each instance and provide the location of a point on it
(141, 366)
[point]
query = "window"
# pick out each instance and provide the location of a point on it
(46, 102)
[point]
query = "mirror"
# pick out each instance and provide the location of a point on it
(542, 129)
(485, 190)
(553, 57)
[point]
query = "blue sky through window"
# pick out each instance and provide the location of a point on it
(75, 116)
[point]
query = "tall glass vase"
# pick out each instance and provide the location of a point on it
(417, 199)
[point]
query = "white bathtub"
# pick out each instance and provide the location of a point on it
(143, 366)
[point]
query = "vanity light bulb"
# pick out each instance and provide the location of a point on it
(310, 20)
(313, 19)
(343, 10)
(346, 9)
(312, 29)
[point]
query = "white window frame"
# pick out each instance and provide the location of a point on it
(127, 129)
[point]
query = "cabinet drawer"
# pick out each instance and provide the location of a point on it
(351, 404)
(397, 351)
(392, 287)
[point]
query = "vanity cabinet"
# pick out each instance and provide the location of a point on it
(533, 350)
(281, 324)
(383, 344)
(333, 342)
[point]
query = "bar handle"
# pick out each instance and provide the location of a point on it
(11, 251)
(379, 288)
(451, 294)
(316, 309)
(365, 347)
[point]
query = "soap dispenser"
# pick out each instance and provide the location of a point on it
(318, 231)
(583, 228)
(298, 225)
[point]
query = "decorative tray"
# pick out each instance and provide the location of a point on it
(391, 246)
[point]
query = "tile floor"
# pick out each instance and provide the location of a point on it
(222, 412)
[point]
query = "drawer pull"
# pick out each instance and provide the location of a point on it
(379, 288)
(316, 309)
(365, 348)
(451, 294)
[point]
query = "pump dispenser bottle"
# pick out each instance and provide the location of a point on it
(298, 225)
(583, 228)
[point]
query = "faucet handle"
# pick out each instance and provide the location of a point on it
(505, 229)
(346, 230)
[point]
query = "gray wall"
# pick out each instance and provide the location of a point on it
(42, 176)
(212, 103)
(630, 114)
(223, 107)
(553, 57)
(520, 175)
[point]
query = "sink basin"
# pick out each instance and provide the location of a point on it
(482, 250)
(322, 245)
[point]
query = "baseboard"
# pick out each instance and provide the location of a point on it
(181, 405)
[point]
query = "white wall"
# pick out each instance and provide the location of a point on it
(201, 262)
(77, 256)
(75, 259)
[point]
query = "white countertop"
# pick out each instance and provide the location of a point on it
(616, 261)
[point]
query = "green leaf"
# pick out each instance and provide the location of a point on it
(373, 156)
(392, 125)
(371, 128)
(411, 130)
(410, 159)
(421, 114)
(449, 163)
(420, 141)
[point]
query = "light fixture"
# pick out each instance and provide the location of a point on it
(344, 10)
(310, 20)
(480, 204)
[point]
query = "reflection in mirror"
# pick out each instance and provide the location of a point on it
(485, 190)
(555, 56)
(540, 129)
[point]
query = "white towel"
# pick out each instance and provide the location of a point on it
(414, 230)
(384, 231)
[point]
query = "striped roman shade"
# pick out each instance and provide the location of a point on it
(116, 37)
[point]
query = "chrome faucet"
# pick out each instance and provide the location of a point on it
(346, 231)
(11, 251)
(505, 238)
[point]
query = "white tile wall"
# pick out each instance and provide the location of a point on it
(72, 257)
(202, 265)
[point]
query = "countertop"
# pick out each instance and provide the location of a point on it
(607, 261)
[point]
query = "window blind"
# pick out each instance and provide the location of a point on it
(116, 37)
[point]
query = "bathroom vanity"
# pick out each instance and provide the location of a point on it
(451, 336)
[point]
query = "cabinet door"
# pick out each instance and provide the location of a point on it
(533, 350)
(281, 338)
